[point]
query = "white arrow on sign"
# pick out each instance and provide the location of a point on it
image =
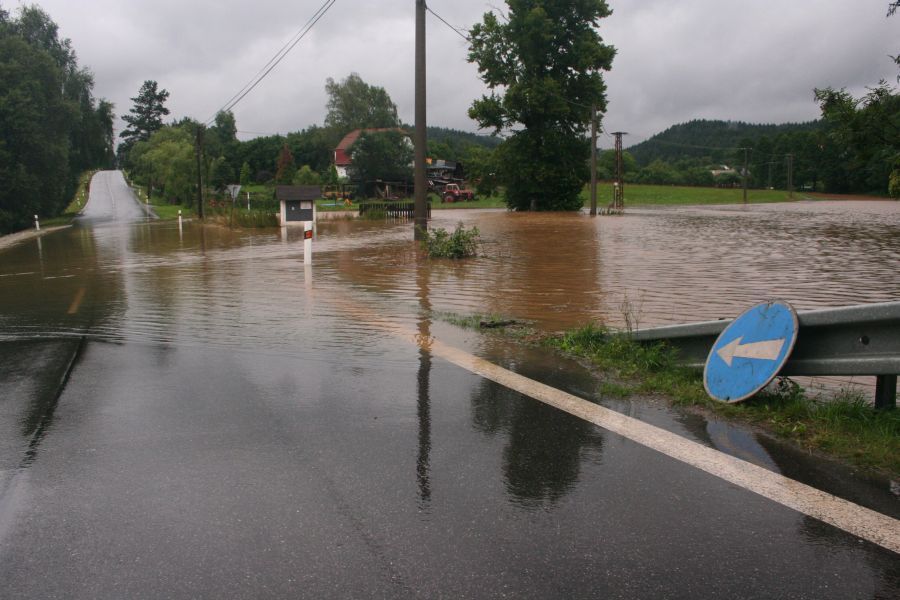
(767, 350)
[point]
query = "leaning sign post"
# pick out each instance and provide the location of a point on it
(750, 352)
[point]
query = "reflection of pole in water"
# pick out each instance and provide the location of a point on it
(423, 411)
(423, 384)
(40, 247)
(307, 290)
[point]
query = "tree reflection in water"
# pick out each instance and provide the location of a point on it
(545, 447)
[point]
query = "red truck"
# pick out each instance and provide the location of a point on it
(453, 193)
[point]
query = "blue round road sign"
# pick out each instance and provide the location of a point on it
(751, 351)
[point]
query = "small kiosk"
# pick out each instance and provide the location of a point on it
(298, 203)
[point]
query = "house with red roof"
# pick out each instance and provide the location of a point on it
(342, 158)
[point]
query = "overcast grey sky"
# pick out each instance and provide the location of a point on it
(750, 60)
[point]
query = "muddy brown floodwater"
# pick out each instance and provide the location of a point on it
(655, 266)
(195, 401)
(210, 285)
(665, 265)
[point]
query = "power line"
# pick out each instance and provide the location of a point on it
(573, 103)
(442, 20)
(273, 62)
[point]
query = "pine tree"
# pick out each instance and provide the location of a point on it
(146, 116)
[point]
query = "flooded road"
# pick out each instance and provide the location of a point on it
(193, 413)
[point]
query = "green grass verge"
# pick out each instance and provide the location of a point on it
(468, 321)
(168, 212)
(75, 206)
(511, 328)
(479, 202)
(845, 426)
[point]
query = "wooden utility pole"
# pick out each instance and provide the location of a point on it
(199, 171)
(746, 167)
(619, 187)
(593, 160)
(790, 176)
(421, 140)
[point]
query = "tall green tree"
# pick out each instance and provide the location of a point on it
(306, 176)
(146, 116)
(314, 146)
(481, 169)
(34, 126)
(51, 127)
(543, 65)
(285, 166)
(167, 161)
(245, 176)
(865, 135)
(354, 104)
(606, 164)
(385, 155)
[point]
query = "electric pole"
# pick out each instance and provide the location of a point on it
(593, 160)
(619, 186)
(790, 176)
(420, 218)
(199, 171)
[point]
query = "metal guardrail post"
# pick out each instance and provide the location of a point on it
(886, 392)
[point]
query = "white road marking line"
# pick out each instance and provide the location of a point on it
(857, 520)
(860, 521)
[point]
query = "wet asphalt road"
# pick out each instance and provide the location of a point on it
(137, 468)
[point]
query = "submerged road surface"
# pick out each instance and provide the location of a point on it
(191, 413)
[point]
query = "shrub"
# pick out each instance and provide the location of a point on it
(462, 243)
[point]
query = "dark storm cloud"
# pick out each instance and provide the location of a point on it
(754, 61)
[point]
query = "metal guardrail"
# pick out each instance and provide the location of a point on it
(854, 340)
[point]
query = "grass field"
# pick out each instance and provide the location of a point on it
(635, 195)
(648, 195)
(167, 212)
(658, 195)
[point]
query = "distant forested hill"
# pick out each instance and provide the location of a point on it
(710, 141)
(457, 137)
(453, 144)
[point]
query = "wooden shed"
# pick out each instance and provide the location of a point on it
(298, 203)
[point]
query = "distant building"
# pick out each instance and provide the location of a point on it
(724, 170)
(445, 169)
(342, 160)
